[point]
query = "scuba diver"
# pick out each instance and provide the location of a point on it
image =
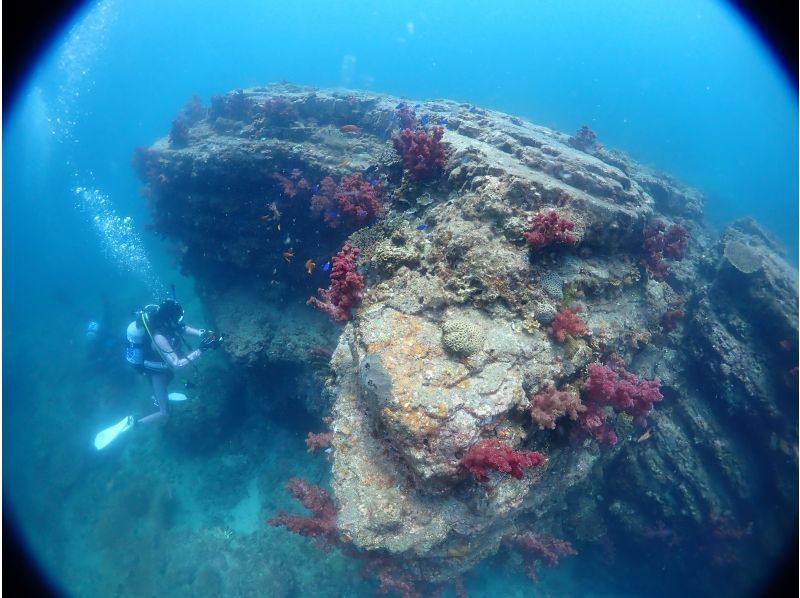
(155, 340)
(102, 345)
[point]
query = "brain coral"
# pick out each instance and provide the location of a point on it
(544, 312)
(462, 337)
(552, 284)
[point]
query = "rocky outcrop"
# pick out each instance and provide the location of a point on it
(451, 339)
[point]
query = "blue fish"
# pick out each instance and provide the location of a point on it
(424, 120)
(417, 105)
(326, 266)
(315, 188)
(473, 109)
(332, 213)
(400, 106)
(443, 121)
(422, 226)
(373, 182)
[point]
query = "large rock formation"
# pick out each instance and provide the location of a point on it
(456, 330)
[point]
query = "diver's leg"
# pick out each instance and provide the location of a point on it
(159, 383)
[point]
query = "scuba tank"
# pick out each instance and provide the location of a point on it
(136, 337)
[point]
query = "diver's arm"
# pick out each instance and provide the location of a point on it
(170, 356)
(194, 331)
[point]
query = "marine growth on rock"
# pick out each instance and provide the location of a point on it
(463, 356)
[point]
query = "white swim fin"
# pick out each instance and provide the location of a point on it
(177, 396)
(104, 438)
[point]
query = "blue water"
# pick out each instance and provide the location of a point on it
(685, 87)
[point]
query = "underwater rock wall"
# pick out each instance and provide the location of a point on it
(491, 283)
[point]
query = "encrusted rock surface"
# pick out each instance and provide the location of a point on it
(410, 391)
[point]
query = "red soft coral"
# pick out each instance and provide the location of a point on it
(279, 111)
(321, 525)
(676, 238)
(567, 323)
(622, 391)
(585, 140)
(541, 547)
(353, 201)
(660, 241)
(358, 198)
(346, 289)
(423, 155)
(550, 228)
(669, 320)
(491, 454)
(315, 441)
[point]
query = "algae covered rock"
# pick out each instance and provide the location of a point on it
(389, 257)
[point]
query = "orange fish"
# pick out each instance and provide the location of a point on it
(310, 265)
(351, 129)
(288, 255)
(647, 434)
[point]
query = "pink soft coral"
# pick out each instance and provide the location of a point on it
(346, 289)
(491, 454)
(567, 323)
(550, 404)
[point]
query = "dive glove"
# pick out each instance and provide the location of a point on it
(210, 340)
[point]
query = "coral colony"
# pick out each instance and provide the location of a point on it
(541, 547)
(567, 324)
(470, 397)
(660, 242)
(353, 201)
(550, 404)
(491, 454)
(612, 386)
(346, 289)
(322, 524)
(549, 229)
(422, 154)
(585, 140)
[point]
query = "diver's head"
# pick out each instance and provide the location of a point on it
(169, 315)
